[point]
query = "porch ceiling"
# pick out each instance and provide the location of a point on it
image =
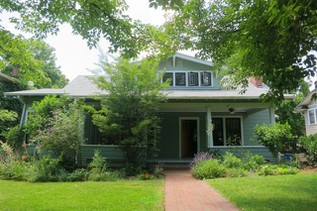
(215, 107)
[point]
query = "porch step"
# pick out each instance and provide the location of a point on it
(182, 164)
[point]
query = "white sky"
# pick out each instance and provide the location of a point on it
(72, 53)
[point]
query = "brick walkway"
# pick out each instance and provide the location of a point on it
(183, 192)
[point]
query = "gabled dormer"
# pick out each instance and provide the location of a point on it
(186, 72)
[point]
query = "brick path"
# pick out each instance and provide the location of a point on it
(184, 193)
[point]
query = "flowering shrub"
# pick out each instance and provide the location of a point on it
(200, 157)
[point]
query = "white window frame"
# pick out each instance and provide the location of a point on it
(187, 78)
(225, 131)
(314, 110)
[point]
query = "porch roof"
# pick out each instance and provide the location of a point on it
(83, 86)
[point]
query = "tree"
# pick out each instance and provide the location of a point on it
(29, 60)
(56, 125)
(272, 40)
(129, 113)
(92, 19)
(286, 114)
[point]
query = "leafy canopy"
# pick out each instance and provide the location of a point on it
(129, 112)
(273, 39)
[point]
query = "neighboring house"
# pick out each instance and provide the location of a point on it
(199, 115)
(308, 107)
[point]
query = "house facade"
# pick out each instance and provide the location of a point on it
(308, 107)
(199, 114)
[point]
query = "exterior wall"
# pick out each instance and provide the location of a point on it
(169, 144)
(249, 123)
(170, 137)
(311, 128)
(113, 154)
(182, 65)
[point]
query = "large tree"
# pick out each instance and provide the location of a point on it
(129, 113)
(272, 39)
(92, 19)
(29, 60)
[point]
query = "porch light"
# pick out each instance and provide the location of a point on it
(231, 110)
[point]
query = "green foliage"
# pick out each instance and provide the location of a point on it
(55, 125)
(77, 175)
(98, 163)
(46, 169)
(90, 19)
(14, 137)
(208, 169)
(129, 113)
(276, 137)
(309, 143)
(231, 161)
(98, 169)
(42, 111)
(285, 111)
(268, 39)
(270, 169)
(252, 162)
(29, 60)
(7, 120)
(11, 167)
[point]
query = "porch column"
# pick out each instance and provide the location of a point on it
(209, 128)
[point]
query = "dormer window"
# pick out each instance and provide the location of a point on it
(205, 78)
(189, 78)
(180, 79)
(168, 76)
(193, 79)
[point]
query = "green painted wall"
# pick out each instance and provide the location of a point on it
(113, 154)
(250, 121)
(169, 137)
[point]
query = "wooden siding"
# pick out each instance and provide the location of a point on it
(249, 123)
(183, 65)
(310, 129)
(113, 154)
(169, 137)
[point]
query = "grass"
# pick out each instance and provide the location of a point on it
(115, 195)
(288, 192)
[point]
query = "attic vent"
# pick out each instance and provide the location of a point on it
(179, 62)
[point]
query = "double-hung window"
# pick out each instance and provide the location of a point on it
(312, 116)
(227, 131)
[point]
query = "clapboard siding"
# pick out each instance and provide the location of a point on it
(113, 154)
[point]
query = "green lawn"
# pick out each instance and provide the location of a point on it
(289, 192)
(116, 195)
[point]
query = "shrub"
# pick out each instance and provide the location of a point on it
(158, 170)
(77, 175)
(252, 162)
(231, 161)
(235, 172)
(208, 169)
(309, 143)
(200, 157)
(276, 137)
(14, 137)
(46, 169)
(270, 169)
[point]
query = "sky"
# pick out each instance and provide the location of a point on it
(73, 55)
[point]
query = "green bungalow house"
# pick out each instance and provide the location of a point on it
(199, 115)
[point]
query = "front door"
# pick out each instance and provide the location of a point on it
(189, 137)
